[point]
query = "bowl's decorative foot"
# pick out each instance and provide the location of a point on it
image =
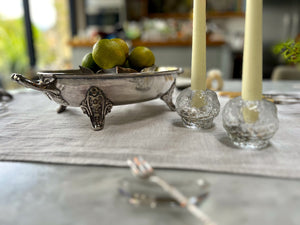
(61, 108)
(96, 105)
(167, 97)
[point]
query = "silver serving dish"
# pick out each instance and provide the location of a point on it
(96, 94)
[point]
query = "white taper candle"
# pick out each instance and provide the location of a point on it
(198, 71)
(253, 56)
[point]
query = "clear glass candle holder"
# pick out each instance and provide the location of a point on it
(197, 109)
(250, 124)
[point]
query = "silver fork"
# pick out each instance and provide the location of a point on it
(142, 169)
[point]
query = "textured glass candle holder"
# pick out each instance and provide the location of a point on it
(197, 108)
(253, 134)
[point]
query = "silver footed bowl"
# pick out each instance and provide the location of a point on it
(97, 93)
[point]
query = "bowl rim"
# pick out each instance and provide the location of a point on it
(79, 74)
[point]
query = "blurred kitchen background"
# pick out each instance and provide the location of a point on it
(55, 34)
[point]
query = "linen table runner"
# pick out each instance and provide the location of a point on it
(33, 131)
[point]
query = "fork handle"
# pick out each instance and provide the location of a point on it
(193, 209)
(199, 214)
(170, 189)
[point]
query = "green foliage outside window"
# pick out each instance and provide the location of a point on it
(289, 50)
(51, 49)
(13, 52)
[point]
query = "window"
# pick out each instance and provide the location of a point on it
(13, 53)
(50, 30)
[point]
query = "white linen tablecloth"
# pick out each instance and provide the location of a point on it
(33, 131)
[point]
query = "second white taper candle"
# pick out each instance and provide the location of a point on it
(252, 62)
(198, 71)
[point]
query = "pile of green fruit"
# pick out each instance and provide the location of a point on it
(109, 53)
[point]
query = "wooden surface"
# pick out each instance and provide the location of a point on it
(210, 15)
(138, 42)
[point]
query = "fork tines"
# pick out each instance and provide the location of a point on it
(140, 167)
(133, 167)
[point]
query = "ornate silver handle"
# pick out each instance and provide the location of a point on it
(48, 86)
(39, 85)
